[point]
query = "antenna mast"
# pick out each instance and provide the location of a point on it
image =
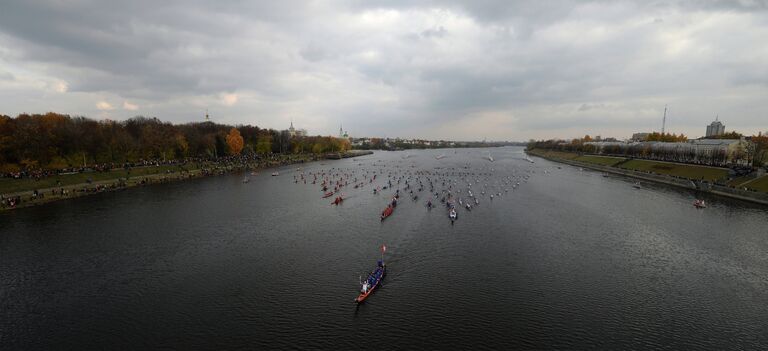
(664, 121)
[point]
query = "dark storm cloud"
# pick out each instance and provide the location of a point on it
(392, 67)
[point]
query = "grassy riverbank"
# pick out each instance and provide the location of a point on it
(12, 186)
(693, 172)
(678, 170)
(64, 186)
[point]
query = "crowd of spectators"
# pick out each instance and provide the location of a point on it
(206, 166)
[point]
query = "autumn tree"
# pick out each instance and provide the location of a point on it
(264, 144)
(760, 150)
(729, 135)
(234, 141)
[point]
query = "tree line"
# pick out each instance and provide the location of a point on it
(58, 141)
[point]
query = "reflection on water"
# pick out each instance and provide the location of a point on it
(568, 259)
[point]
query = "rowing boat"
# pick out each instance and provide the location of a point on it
(374, 278)
(387, 212)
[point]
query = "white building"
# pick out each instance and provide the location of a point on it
(342, 133)
(715, 128)
(293, 132)
(640, 136)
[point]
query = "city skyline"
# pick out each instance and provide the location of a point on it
(453, 70)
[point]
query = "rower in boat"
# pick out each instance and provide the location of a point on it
(374, 278)
(387, 212)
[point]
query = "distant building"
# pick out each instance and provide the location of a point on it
(293, 132)
(702, 151)
(640, 136)
(342, 133)
(715, 128)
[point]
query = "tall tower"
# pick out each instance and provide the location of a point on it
(207, 118)
(664, 120)
(291, 130)
(341, 131)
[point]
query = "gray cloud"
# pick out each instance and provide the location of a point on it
(450, 69)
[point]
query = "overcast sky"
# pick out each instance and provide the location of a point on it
(466, 70)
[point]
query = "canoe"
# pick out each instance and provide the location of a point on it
(378, 275)
(387, 212)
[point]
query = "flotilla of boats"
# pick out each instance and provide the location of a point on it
(455, 187)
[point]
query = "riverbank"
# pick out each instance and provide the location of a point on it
(698, 178)
(19, 193)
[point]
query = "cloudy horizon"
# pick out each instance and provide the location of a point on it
(460, 70)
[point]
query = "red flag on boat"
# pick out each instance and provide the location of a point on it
(383, 248)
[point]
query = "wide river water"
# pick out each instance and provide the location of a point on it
(569, 259)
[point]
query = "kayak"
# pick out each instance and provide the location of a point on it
(328, 194)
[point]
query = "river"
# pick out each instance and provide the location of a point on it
(569, 259)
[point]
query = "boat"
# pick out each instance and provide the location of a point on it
(275, 174)
(440, 157)
(245, 179)
(374, 279)
(328, 194)
(699, 204)
(337, 200)
(452, 215)
(637, 185)
(387, 212)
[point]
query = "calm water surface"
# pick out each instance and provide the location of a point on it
(569, 259)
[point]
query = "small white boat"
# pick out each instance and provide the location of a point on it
(275, 174)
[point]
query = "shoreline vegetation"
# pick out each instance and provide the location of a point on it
(26, 192)
(713, 180)
(47, 157)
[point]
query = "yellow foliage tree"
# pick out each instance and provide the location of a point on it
(235, 141)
